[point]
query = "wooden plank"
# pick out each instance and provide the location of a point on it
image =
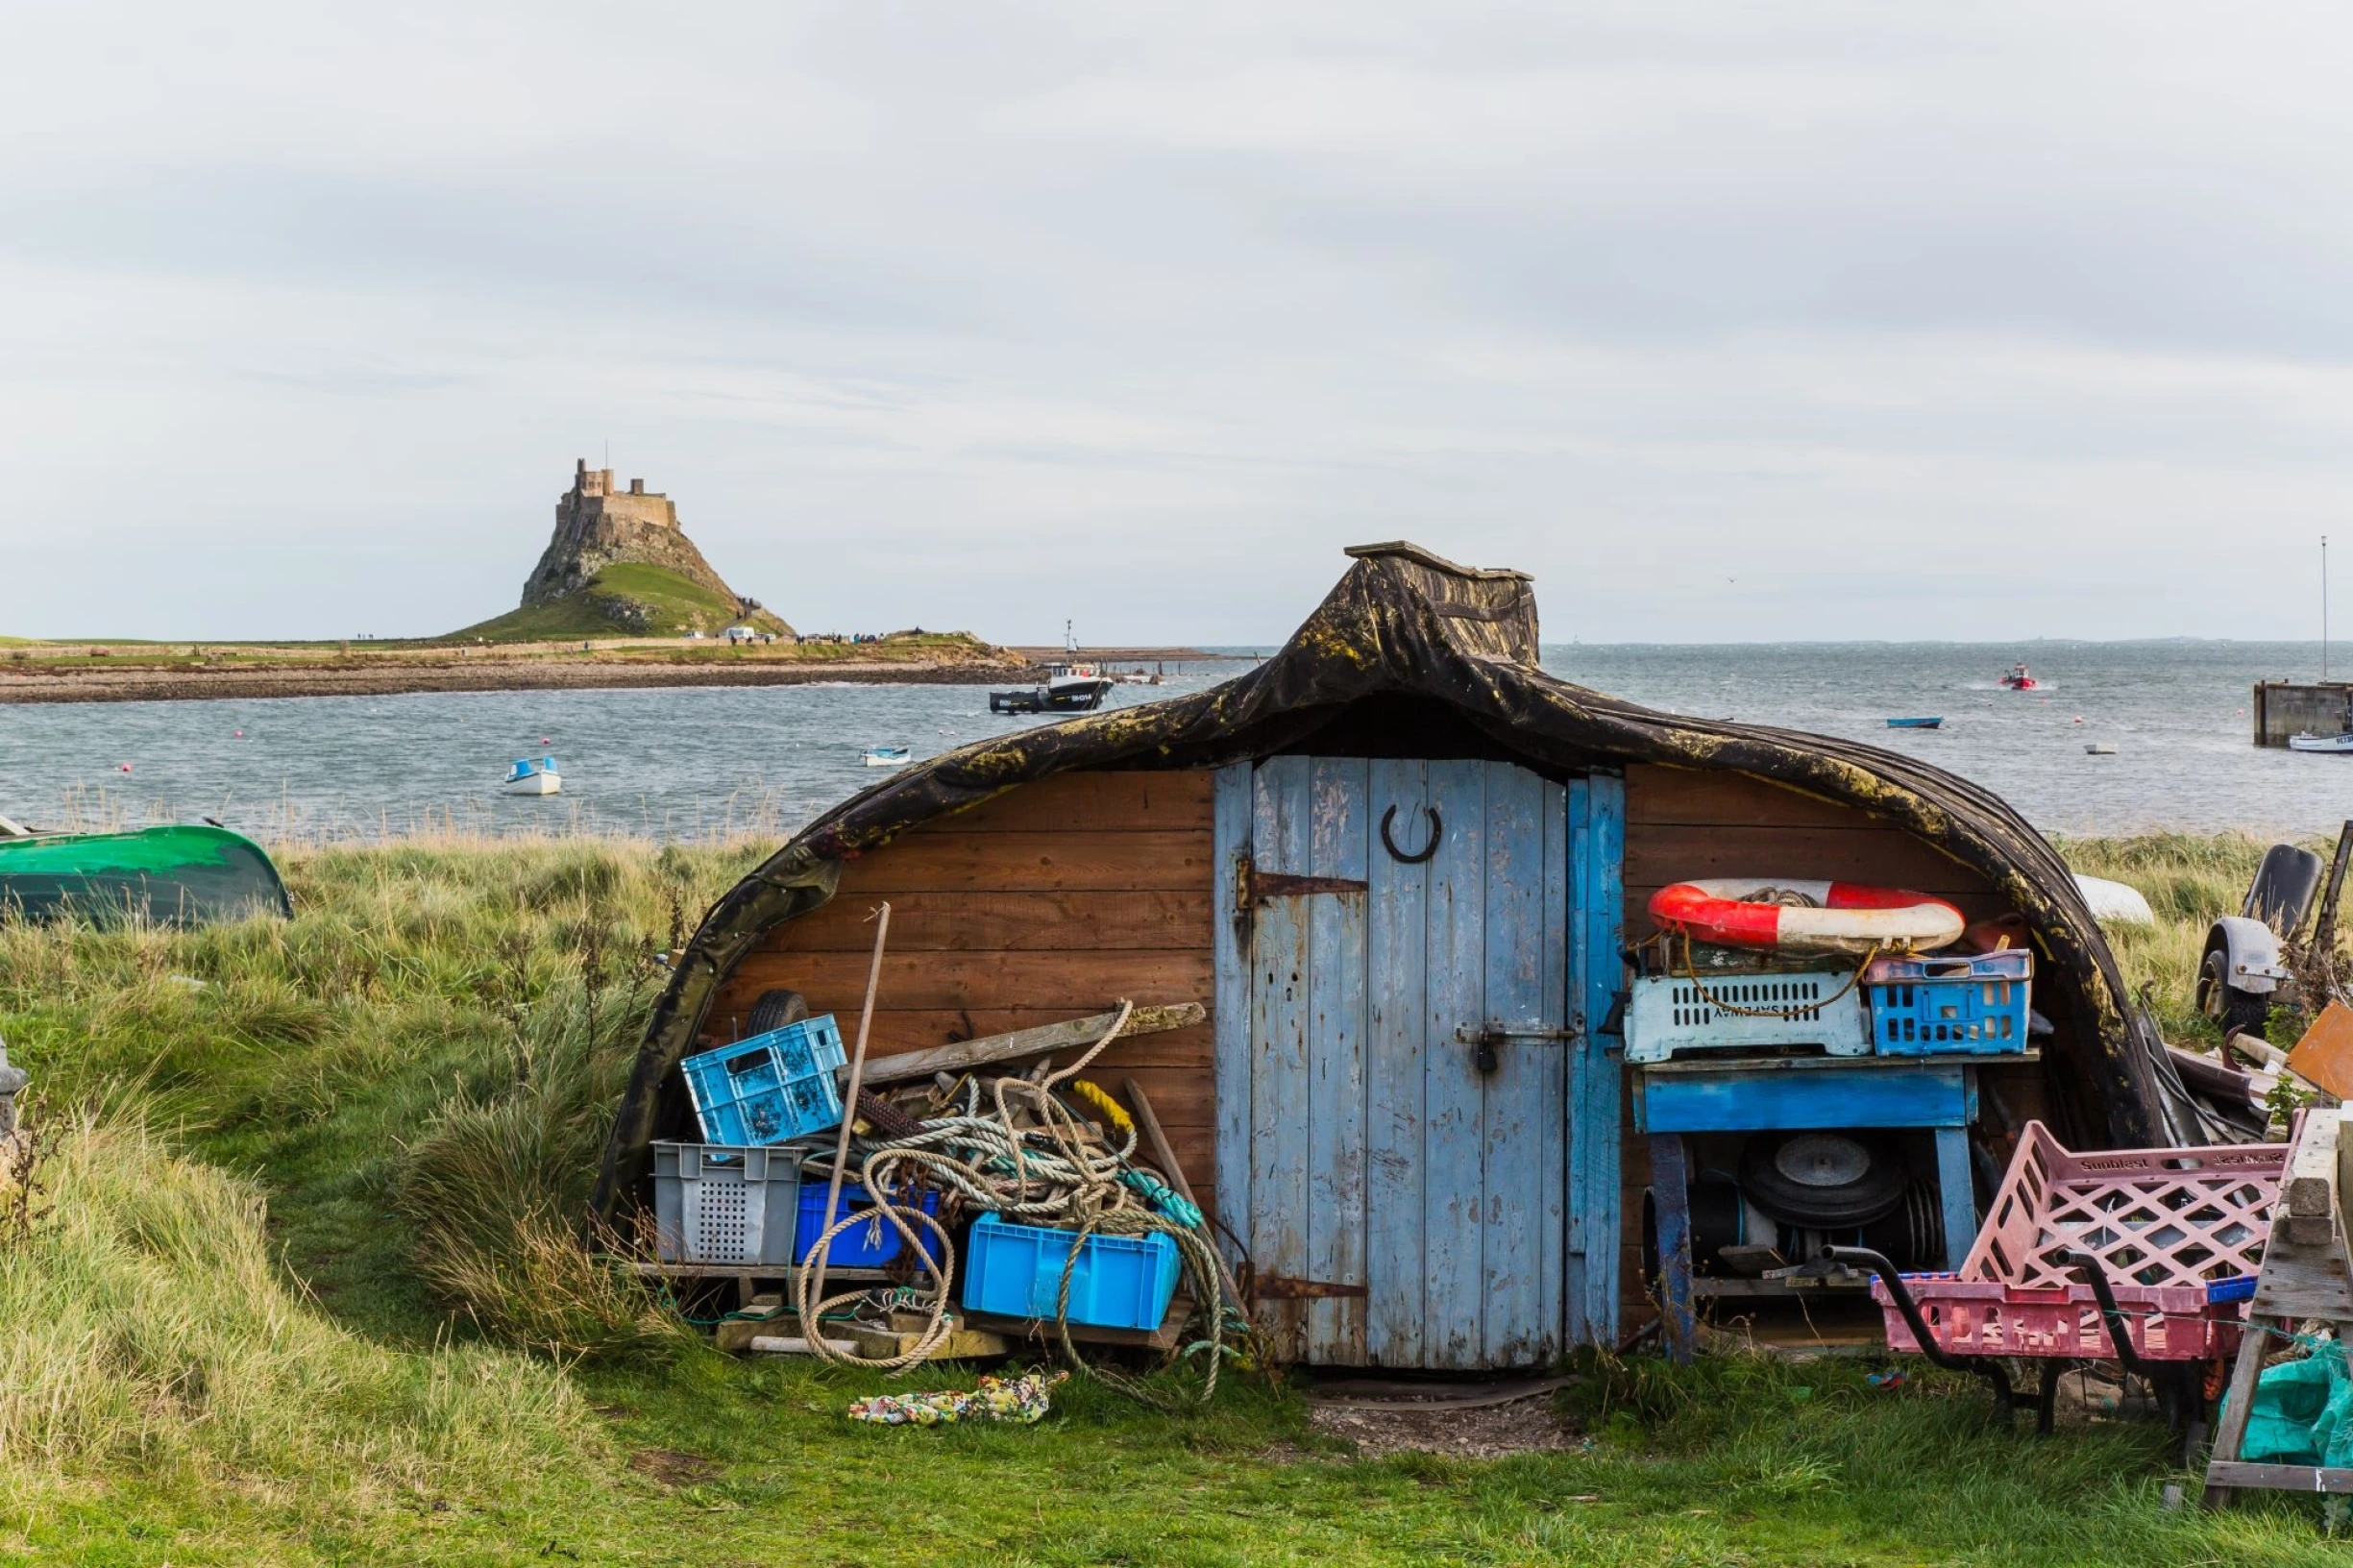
(1558, 904)
(2279, 1478)
(2237, 1404)
(1671, 1200)
(1025, 861)
(1163, 1153)
(1076, 981)
(896, 1033)
(2310, 1193)
(1454, 976)
(1122, 803)
(1710, 797)
(2344, 1120)
(1394, 1028)
(1515, 1327)
(2302, 1281)
(1958, 1194)
(1043, 1330)
(1787, 1101)
(1076, 1035)
(997, 920)
(1231, 1155)
(1596, 1093)
(1660, 853)
(1283, 960)
(1338, 840)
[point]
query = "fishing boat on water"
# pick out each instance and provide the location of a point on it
(181, 874)
(2020, 679)
(1069, 686)
(1937, 721)
(2307, 741)
(888, 756)
(535, 777)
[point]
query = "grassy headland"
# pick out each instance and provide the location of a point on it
(296, 1290)
(141, 671)
(626, 598)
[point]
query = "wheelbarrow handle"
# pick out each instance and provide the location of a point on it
(1890, 1276)
(2095, 1274)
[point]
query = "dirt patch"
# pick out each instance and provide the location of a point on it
(1526, 1426)
(673, 1468)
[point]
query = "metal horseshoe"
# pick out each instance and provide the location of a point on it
(1437, 828)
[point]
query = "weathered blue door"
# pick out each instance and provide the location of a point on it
(1395, 1032)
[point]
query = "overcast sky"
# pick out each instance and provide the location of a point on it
(1728, 321)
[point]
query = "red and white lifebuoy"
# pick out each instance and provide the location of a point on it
(1805, 916)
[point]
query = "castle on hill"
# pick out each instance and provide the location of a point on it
(599, 526)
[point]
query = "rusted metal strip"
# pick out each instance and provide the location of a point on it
(1253, 887)
(1283, 1288)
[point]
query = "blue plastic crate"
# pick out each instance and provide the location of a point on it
(1120, 1282)
(864, 1246)
(1971, 1004)
(770, 1087)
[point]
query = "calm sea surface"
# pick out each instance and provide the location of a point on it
(694, 762)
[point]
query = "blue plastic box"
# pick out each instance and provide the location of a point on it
(769, 1088)
(1120, 1282)
(862, 1246)
(1971, 1004)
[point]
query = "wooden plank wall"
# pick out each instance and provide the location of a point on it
(1046, 903)
(1681, 824)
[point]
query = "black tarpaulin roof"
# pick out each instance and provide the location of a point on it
(1405, 623)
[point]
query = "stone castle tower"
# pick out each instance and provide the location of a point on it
(597, 525)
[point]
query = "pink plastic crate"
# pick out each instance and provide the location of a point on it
(2165, 1223)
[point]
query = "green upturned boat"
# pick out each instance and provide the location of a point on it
(178, 876)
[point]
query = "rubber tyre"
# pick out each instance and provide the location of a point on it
(2231, 1009)
(1871, 1195)
(773, 1011)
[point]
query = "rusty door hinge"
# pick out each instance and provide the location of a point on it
(1253, 887)
(1283, 1288)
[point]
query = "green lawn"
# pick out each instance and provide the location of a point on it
(294, 1250)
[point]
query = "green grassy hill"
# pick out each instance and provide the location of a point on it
(625, 599)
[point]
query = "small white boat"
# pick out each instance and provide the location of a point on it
(2100, 748)
(2115, 903)
(534, 777)
(2309, 742)
(888, 756)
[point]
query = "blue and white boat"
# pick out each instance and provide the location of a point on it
(888, 756)
(1935, 723)
(534, 777)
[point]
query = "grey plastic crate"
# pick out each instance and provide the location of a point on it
(714, 1203)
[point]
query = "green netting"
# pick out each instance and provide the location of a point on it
(2302, 1412)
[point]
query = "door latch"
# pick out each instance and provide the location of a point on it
(1485, 1041)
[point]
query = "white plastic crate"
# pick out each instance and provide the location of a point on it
(1671, 1014)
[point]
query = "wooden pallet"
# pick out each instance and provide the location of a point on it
(2304, 1276)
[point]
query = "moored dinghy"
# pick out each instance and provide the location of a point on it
(534, 777)
(888, 756)
(2309, 742)
(1934, 721)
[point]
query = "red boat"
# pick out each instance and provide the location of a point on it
(2020, 679)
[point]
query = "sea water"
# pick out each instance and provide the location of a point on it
(695, 761)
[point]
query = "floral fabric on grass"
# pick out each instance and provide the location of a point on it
(1022, 1399)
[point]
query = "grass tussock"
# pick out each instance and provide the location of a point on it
(145, 1320)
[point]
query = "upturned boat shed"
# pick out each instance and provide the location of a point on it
(1407, 873)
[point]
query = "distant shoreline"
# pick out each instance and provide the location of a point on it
(133, 684)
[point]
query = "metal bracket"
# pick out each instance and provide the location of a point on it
(1282, 1288)
(1253, 887)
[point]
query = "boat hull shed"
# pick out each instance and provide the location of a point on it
(1409, 1101)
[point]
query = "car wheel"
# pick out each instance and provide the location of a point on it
(773, 1011)
(2231, 1009)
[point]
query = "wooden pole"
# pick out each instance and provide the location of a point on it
(849, 1095)
(1146, 1119)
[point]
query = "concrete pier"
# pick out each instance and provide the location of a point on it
(2283, 708)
